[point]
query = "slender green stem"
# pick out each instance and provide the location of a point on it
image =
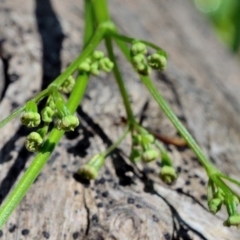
(101, 10)
(210, 189)
(41, 158)
(119, 80)
(228, 191)
(41, 95)
(89, 20)
(229, 179)
(115, 144)
(166, 160)
(12, 116)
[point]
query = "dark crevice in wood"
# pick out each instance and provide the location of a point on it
(52, 36)
(7, 80)
(88, 214)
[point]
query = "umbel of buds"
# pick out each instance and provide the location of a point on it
(95, 63)
(139, 61)
(143, 65)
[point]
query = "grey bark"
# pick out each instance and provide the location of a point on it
(38, 40)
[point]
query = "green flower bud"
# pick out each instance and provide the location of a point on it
(68, 85)
(140, 64)
(137, 139)
(88, 60)
(68, 123)
(215, 205)
(33, 141)
(168, 174)
(88, 172)
(91, 169)
(97, 55)
(157, 61)
(138, 48)
(31, 119)
(148, 138)
(232, 221)
(94, 69)
(150, 155)
(84, 67)
(105, 64)
(47, 114)
(135, 155)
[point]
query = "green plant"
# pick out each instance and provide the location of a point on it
(99, 27)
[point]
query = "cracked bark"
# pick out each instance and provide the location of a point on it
(125, 202)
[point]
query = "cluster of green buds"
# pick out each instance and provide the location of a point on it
(95, 63)
(91, 169)
(55, 107)
(218, 197)
(146, 148)
(143, 148)
(143, 63)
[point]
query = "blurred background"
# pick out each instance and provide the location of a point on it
(225, 18)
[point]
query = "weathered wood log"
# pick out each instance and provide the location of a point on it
(39, 39)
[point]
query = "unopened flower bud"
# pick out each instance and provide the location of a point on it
(47, 114)
(135, 155)
(94, 69)
(168, 174)
(233, 220)
(33, 141)
(84, 67)
(105, 64)
(137, 139)
(31, 119)
(68, 123)
(150, 155)
(97, 55)
(91, 169)
(148, 138)
(138, 48)
(68, 85)
(215, 205)
(157, 61)
(140, 64)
